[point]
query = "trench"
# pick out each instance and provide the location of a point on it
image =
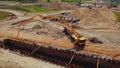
(58, 56)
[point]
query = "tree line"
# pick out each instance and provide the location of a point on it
(25, 0)
(116, 1)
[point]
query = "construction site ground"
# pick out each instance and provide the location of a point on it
(55, 37)
(9, 59)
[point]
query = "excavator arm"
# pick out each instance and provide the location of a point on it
(67, 25)
(75, 32)
(28, 20)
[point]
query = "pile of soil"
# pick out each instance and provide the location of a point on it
(59, 5)
(41, 27)
(95, 18)
(53, 29)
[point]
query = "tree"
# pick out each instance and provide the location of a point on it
(115, 1)
(79, 3)
(29, 1)
(48, 0)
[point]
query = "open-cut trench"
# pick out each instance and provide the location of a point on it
(58, 56)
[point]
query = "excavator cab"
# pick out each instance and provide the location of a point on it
(79, 41)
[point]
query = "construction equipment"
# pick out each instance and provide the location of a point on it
(28, 20)
(90, 57)
(76, 38)
(74, 35)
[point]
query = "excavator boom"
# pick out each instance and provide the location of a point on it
(75, 32)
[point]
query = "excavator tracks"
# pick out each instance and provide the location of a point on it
(58, 56)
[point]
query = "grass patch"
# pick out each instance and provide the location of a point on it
(118, 17)
(3, 15)
(31, 8)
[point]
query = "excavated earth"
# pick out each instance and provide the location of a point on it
(44, 39)
(95, 18)
(59, 5)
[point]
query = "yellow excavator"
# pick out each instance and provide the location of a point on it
(75, 37)
(73, 34)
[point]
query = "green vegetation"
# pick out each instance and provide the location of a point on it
(46, 0)
(118, 17)
(75, 0)
(3, 15)
(21, 0)
(116, 1)
(26, 0)
(31, 8)
(64, 0)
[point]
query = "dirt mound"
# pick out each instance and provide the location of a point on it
(95, 18)
(59, 5)
(65, 5)
(41, 27)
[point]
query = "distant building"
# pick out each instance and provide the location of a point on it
(99, 4)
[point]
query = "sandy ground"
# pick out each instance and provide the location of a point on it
(110, 44)
(108, 37)
(96, 18)
(13, 60)
(49, 31)
(43, 38)
(17, 13)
